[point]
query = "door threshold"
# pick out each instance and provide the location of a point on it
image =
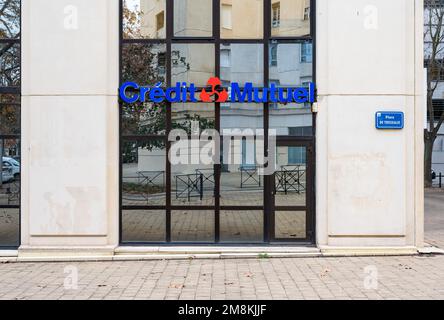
(213, 252)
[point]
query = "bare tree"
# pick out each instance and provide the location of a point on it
(434, 62)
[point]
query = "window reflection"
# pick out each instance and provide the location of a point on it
(192, 181)
(192, 63)
(10, 123)
(144, 64)
(290, 177)
(241, 19)
(143, 118)
(192, 60)
(289, 67)
(183, 114)
(193, 18)
(9, 114)
(290, 64)
(192, 226)
(290, 225)
(290, 18)
(143, 172)
(144, 19)
(240, 182)
(9, 188)
(9, 65)
(10, 19)
(9, 227)
(242, 63)
(242, 226)
(143, 225)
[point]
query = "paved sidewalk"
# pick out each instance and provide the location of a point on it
(434, 217)
(418, 277)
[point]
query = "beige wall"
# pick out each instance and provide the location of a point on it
(369, 182)
(69, 124)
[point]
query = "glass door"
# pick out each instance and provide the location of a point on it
(292, 189)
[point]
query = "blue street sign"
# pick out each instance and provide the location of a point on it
(390, 120)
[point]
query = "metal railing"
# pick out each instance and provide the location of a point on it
(438, 182)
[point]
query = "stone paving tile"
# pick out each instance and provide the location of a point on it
(434, 217)
(418, 277)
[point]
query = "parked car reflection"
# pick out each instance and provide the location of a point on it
(10, 169)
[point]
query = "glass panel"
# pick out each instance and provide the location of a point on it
(9, 227)
(184, 113)
(288, 70)
(192, 179)
(10, 172)
(290, 64)
(241, 185)
(242, 226)
(242, 63)
(291, 176)
(241, 19)
(143, 172)
(10, 19)
(240, 182)
(243, 116)
(291, 120)
(144, 19)
(143, 118)
(9, 65)
(9, 114)
(143, 225)
(192, 226)
(290, 225)
(144, 64)
(192, 63)
(193, 18)
(290, 18)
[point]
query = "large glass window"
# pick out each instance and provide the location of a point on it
(165, 42)
(10, 75)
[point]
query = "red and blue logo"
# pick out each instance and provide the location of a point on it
(131, 92)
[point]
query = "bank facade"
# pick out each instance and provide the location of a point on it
(96, 177)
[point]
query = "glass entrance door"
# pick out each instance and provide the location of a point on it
(292, 189)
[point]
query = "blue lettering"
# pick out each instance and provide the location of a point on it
(282, 97)
(143, 93)
(238, 95)
(122, 92)
(258, 99)
(300, 95)
(312, 95)
(273, 95)
(193, 93)
(131, 92)
(173, 94)
(157, 94)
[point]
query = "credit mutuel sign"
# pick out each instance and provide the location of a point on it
(131, 92)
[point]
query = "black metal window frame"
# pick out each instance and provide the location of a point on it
(301, 141)
(14, 90)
